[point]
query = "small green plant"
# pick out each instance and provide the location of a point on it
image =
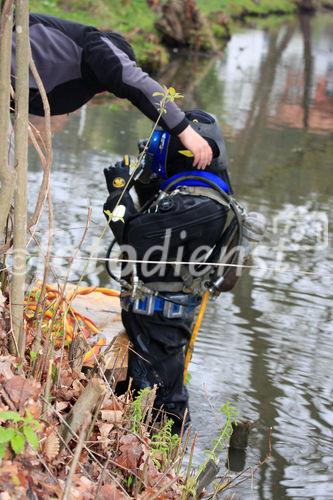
(130, 482)
(169, 95)
(189, 488)
(33, 356)
(139, 409)
(164, 444)
(20, 432)
(230, 413)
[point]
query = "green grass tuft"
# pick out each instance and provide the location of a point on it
(237, 8)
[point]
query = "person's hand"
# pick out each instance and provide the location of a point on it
(200, 148)
(116, 176)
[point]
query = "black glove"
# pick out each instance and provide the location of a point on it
(116, 176)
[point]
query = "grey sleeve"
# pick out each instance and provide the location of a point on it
(118, 74)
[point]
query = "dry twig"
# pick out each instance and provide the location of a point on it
(78, 449)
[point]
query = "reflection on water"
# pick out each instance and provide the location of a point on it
(267, 347)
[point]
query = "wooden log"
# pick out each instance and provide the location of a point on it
(86, 403)
(207, 476)
(240, 435)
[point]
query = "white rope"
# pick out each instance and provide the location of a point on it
(189, 263)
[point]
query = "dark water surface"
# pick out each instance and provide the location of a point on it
(268, 346)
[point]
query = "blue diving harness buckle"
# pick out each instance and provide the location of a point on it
(173, 307)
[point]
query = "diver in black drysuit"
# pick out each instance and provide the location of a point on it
(181, 220)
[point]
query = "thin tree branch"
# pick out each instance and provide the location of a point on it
(44, 187)
(7, 174)
(21, 167)
(78, 449)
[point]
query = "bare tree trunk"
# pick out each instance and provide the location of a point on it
(7, 175)
(183, 24)
(21, 163)
(307, 5)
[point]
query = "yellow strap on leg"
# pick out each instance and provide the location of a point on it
(195, 332)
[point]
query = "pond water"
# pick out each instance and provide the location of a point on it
(267, 346)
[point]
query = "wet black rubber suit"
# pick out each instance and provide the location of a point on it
(159, 342)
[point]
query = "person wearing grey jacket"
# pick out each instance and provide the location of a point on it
(76, 62)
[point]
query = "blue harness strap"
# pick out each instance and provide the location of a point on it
(195, 182)
(179, 305)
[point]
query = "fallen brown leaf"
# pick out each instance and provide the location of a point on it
(67, 377)
(112, 416)
(104, 429)
(51, 446)
(110, 492)
(103, 437)
(152, 475)
(10, 482)
(34, 407)
(77, 387)
(112, 403)
(131, 450)
(66, 394)
(61, 405)
(147, 494)
(82, 488)
(6, 363)
(20, 390)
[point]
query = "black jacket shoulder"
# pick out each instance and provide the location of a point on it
(76, 31)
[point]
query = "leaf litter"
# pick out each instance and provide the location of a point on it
(115, 462)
